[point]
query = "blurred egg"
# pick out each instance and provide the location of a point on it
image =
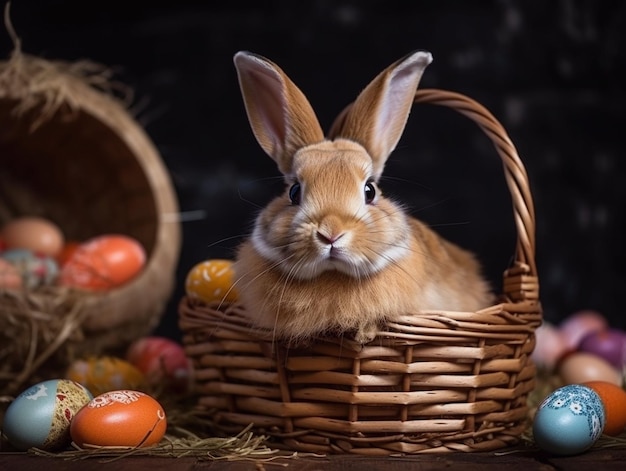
(10, 276)
(35, 269)
(105, 373)
(579, 324)
(123, 418)
(550, 346)
(67, 251)
(569, 421)
(103, 263)
(33, 233)
(579, 367)
(211, 281)
(609, 344)
(163, 362)
(614, 400)
(41, 415)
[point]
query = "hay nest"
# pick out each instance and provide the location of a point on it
(71, 152)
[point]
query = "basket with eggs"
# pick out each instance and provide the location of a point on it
(89, 239)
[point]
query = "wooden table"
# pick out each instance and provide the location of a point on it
(513, 459)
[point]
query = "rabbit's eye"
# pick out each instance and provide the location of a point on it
(294, 193)
(370, 192)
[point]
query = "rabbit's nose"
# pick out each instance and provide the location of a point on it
(328, 239)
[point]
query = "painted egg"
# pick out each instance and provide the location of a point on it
(33, 233)
(609, 344)
(41, 415)
(614, 400)
(579, 324)
(10, 276)
(105, 373)
(103, 263)
(123, 418)
(211, 281)
(550, 346)
(162, 361)
(66, 252)
(569, 421)
(36, 269)
(579, 367)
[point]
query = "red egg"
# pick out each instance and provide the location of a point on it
(609, 344)
(67, 251)
(103, 263)
(579, 324)
(122, 418)
(162, 360)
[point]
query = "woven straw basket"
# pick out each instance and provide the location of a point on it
(71, 152)
(430, 382)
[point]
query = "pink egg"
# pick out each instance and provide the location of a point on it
(162, 360)
(579, 324)
(10, 276)
(550, 346)
(609, 344)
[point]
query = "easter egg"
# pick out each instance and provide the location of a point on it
(609, 344)
(550, 346)
(103, 263)
(579, 324)
(614, 400)
(41, 415)
(123, 418)
(569, 421)
(33, 233)
(66, 252)
(579, 367)
(105, 373)
(35, 269)
(162, 361)
(10, 276)
(211, 281)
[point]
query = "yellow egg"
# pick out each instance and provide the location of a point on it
(104, 374)
(212, 281)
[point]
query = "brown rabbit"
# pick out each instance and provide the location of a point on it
(332, 255)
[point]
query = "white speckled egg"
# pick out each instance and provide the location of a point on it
(40, 416)
(569, 421)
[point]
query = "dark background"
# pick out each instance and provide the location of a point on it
(553, 72)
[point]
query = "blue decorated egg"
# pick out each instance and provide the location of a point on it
(569, 421)
(36, 269)
(40, 416)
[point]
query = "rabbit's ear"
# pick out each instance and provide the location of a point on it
(378, 116)
(281, 117)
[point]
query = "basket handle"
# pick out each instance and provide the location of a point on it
(520, 280)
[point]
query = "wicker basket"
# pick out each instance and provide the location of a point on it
(430, 382)
(71, 152)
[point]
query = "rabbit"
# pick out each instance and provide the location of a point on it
(332, 255)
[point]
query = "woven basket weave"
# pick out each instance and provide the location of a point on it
(72, 153)
(430, 382)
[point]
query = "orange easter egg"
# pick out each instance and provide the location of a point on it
(613, 398)
(212, 281)
(123, 418)
(103, 263)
